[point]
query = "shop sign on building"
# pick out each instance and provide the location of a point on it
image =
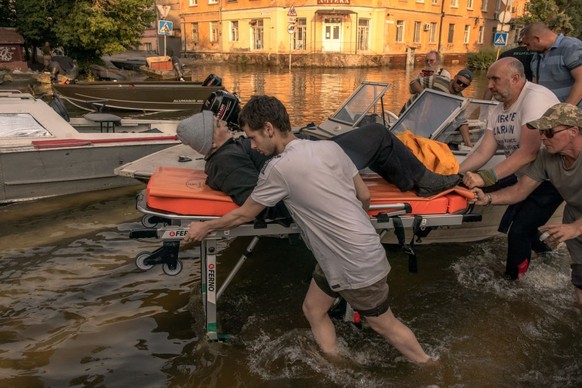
(346, 2)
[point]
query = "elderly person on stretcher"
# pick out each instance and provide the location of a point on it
(233, 166)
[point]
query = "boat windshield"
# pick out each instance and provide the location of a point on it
(362, 103)
(437, 115)
(21, 125)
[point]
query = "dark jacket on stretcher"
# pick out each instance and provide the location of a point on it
(234, 167)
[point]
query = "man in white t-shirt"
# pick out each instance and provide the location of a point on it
(559, 162)
(328, 199)
(520, 102)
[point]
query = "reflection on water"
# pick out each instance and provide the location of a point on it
(74, 310)
(312, 94)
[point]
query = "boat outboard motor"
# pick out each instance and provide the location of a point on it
(225, 106)
(64, 66)
(212, 80)
(178, 67)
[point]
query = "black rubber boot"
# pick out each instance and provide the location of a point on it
(431, 183)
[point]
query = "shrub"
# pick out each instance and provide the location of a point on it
(482, 59)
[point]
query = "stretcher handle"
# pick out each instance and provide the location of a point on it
(144, 233)
(395, 206)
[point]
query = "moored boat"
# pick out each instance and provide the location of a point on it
(43, 155)
(146, 96)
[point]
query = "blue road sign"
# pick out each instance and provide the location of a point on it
(165, 27)
(500, 39)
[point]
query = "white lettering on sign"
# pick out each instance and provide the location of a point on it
(333, 1)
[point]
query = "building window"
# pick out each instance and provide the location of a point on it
(435, 2)
(469, 4)
(484, 6)
(416, 35)
(363, 34)
(400, 31)
(195, 36)
(481, 33)
(193, 3)
(454, 3)
(231, 1)
(300, 36)
(432, 36)
(212, 1)
(420, 1)
(451, 38)
(257, 33)
(467, 34)
(234, 31)
(213, 32)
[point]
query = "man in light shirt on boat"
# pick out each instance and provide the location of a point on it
(560, 129)
(328, 200)
(455, 86)
(429, 73)
(520, 102)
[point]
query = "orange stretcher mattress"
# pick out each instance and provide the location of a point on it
(183, 191)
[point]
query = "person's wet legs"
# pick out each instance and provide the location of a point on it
(315, 309)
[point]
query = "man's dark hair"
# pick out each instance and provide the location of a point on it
(261, 109)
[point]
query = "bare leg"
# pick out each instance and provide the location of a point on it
(315, 307)
(579, 295)
(399, 335)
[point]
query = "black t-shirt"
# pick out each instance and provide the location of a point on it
(524, 56)
(234, 169)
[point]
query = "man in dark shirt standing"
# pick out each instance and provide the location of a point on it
(524, 55)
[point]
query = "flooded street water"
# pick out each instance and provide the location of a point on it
(75, 311)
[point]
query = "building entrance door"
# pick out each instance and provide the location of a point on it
(332, 34)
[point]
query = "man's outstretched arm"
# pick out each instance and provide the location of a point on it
(197, 231)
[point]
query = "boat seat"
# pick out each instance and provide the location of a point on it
(106, 121)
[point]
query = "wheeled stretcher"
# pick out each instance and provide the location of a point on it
(175, 197)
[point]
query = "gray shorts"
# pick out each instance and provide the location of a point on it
(370, 301)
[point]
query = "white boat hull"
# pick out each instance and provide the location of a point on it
(42, 155)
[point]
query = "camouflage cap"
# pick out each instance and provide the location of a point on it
(559, 114)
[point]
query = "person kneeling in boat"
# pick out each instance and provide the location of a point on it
(317, 181)
(559, 162)
(233, 166)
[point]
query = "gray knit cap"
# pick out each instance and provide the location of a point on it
(197, 131)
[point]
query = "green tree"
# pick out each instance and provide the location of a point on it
(7, 13)
(574, 8)
(85, 28)
(549, 13)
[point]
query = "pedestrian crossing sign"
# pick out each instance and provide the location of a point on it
(500, 39)
(165, 27)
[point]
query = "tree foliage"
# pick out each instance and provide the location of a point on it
(7, 13)
(551, 14)
(85, 28)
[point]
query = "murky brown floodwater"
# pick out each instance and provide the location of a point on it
(74, 310)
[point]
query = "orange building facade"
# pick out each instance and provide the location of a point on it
(394, 28)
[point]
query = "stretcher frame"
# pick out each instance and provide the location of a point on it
(174, 228)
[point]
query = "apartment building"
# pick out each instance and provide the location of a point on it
(388, 30)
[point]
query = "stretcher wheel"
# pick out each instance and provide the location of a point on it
(147, 221)
(140, 261)
(172, 272)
